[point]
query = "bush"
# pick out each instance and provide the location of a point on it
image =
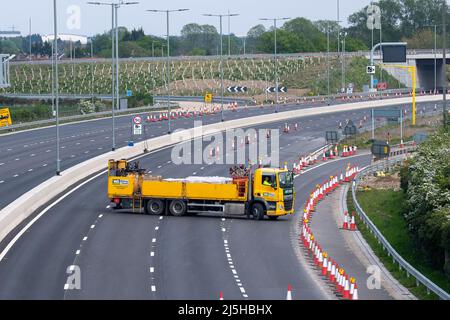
(428, 193)
(140, 100)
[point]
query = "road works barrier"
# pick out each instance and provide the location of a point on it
(396, 258)
(345, 285)
(12, 215)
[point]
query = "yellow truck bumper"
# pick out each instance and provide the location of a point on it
(280, 211)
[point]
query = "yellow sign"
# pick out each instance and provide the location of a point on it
(208, 97)
(5, 117)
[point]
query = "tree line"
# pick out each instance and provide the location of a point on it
(401, 20)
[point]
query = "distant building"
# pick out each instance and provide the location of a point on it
(66, 37)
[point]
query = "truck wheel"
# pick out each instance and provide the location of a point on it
(154, 207)
(177, 208)
(258, 211)
(273, 217)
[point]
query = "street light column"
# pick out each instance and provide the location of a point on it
(168, 72)
(117, 64)
(55, 20)
(276, 66)
(113, 97)
(221, 70)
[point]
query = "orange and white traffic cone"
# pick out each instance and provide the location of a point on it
(346, 293)
(324, 264)
(333, 272)
(345, 225)
(352, 287)
(352, 223)
(355, 292)
(289, 293)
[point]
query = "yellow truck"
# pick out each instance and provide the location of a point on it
(263, 192)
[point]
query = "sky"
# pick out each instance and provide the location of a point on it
(77, 17)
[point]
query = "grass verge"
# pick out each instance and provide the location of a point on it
(384, 208)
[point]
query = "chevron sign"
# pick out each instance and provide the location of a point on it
(274, 89)
(237, 89)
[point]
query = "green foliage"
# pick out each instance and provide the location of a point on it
(140, 99)
(429, 196)
(30, 113)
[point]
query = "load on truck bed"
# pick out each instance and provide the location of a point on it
(264, 192)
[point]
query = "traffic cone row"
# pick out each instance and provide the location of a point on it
(348, 151)
(328, 268)
(349, 222)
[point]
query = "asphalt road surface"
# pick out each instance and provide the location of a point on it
(132, 256)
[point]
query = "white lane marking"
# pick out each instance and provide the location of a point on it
(85, 238)
(100, 216)
(2, 181)
(44, 165)
(242, 289)
(32, 155)
(152, 254)
(160, 218)
(15, 176)
(1, 164)
(48, 151)
(17, 159)
(30, 170)
(50, 206)
(152, 270)
(153, 288)
(108, 206)
(78, 252)
(153, 240)
(194, 173)
(93, 226)
(66, 286)
(156, 228)
(159, 167)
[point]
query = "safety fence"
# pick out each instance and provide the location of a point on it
(396, 257)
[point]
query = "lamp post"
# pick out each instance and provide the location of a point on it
(220, 16)
(444, 63)
(167, 12)
(435, 52)
(275, 55)
(114, 56)
(56, 85)
(344, 34)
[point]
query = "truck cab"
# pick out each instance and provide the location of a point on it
(272, 192)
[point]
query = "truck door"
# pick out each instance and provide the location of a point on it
(267, 183)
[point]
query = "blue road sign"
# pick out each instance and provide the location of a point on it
(129, 93)
(375, 82)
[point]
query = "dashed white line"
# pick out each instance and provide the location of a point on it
(78, 252)
(85, 238)
(153, 288)
(152, 270)
(93, 226)
(152, 254)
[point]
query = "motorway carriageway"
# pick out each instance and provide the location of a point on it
(133, 256)
(28, 158)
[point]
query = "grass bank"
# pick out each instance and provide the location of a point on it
(385, 209)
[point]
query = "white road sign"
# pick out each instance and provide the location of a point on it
(137, 120)
(137, 129)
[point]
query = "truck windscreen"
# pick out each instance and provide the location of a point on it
(286, 180)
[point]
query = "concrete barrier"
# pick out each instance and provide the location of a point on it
(12, 215)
